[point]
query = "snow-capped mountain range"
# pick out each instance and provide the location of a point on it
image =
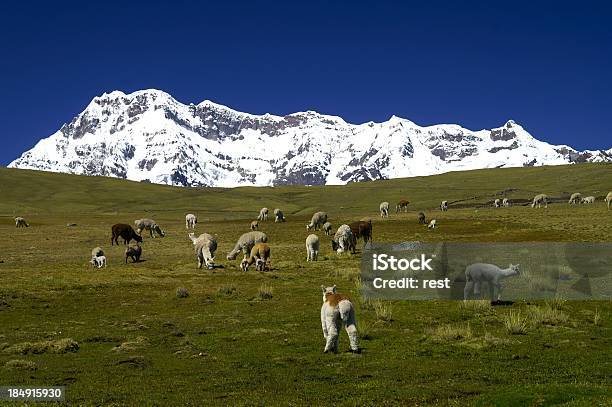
(149, 136)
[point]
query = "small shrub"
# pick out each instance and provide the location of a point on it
(547, 315)
(20, 364)
(64, 345)
(226, 289)
(265, 292)
(515, 323)
(597, 318)
(182, 292)
(448, 332)
(384, 311)
(475, 305)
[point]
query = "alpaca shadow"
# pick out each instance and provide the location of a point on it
(216, 266)
(501, 302)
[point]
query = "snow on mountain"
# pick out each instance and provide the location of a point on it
(149, 136)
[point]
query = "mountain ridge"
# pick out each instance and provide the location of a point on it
(148, 135)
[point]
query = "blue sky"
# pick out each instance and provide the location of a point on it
(545, 64)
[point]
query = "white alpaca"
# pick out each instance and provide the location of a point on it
(317, 221)
(588, 200)
(497, 203)
(98, 261)
(312, 247)
(263, 214)
(608, 199)
(506, 202)
(575, 198)
(190, 221)
(384, 209)
(432, 224)
(336, 310)
(539, 200)
(476, 274)
(444, 206)
(21, 222)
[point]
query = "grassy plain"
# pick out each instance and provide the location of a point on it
(137, 343)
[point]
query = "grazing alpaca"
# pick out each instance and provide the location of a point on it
(588, 200)
(327, 227)
(317, 221)
(444, 206)
(98, 261)
(205, 246)
(575, 198)
(312, 247)
(384, 209)
(133, 252)
(476, 274)
(254, 225)
(279, 216)
(190, 221)
(260, 254)
(421, 218)
(402, 204)
(126, 232)
(21, 222)
(362, 229)
(497, 203)
(539, 200)
(246, 242)
(506, 202)
(608, 199)
(337, 310)
(344, 240)
(263, 214)
(150, 225)
(432, 224)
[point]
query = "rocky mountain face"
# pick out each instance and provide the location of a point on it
(149, 136)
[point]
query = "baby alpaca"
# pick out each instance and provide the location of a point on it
(432, 224)
(134, 253)
(260, 254)
(337, 309)
(254, 225)
(477, 273)
(98, 261)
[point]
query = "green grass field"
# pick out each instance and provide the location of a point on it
(120, 335)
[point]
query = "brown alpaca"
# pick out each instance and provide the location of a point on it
(362, 229)
(260, 254)
(126, 232)
(402, 204)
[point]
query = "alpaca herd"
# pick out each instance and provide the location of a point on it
(337, 309)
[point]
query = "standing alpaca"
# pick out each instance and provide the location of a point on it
(317, 221)
(588, 200)
(255, 225)
(279, 216)
(344, 240)
(21, 222)
(246, 242)
(327, 227)
(506, 202)
(98, 261)
(608, 199)
(384, 209)
(497, 203)
(338, 309)
(432, 224)
(190, 221)
(312, 247)
(402, 205)
(421, 218)
(444, 206)
(260, 255)
(539, 200)
(476, 274)
(205, 246)
(263, 214)
(575, 198)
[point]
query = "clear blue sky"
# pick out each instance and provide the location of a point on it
(545, 64)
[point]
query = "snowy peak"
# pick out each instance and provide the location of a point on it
(149, 136)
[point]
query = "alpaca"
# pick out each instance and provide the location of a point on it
(477, 273)
(384, 209)
(608, 199)
(402, 205)
(575, 198)
(263, 214)
(497, 203)
(21, 222)
(98, 261)
(338, 309)
(327, 227)
(190, 221)
(444, 206)
(432, 224)
(317, 221)
(421, 218)
(539, 200)
(312, 247)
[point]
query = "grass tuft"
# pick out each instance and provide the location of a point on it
(265, 292)
(227, 289)
(383, 310)
(20, 364)
(547, 315)
(64, 345)
(182, 292)
(475, 305)
(515, 323)
(597, 318)
(446, 333)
